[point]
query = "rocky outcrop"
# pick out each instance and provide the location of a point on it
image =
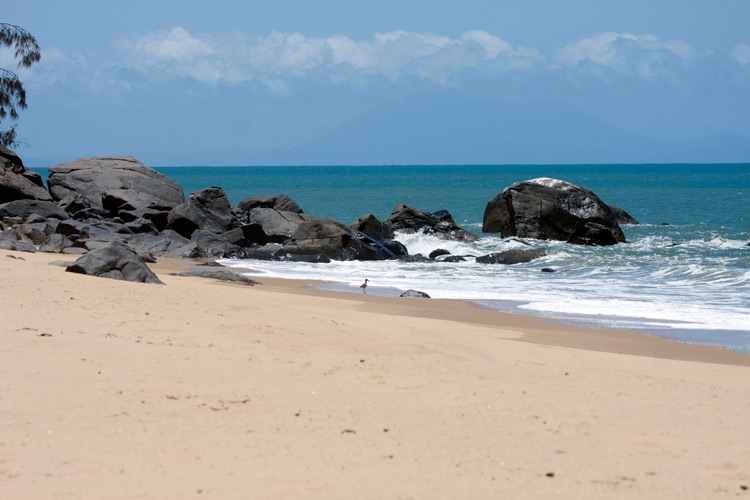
(15, 245)
(334, 240)
(114, 261)
(125, 183)
(372, 227)
(551, 209)
(18, 182)
(512, 256)
(441, 224)
(281, 202)
(207, 210)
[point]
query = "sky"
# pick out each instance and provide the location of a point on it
(140, 76)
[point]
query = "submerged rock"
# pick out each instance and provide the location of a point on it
(441, 224)
(512, 256)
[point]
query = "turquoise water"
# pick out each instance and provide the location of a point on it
(684, 273)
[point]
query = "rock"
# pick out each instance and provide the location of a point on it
(15, 245)
(396, 248)
(18, 182)
(207, 210)
(621, 216)
(414, 294)
(121, 178)
(454, 258)
(438, 252)
(114, 261)
(281, 203)
(27, 207)
(372, 227)
(267, 225)
(55, 243)
(34, 233)
(548, 270)
(512, 256)
(219, 274)
(334, 240)
(156, 244)
(551, 209)
(210, 245)
(441, 224)
(416, 258)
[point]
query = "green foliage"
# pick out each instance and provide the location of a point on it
(12, 93)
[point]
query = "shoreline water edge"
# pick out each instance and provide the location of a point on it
(683, 275)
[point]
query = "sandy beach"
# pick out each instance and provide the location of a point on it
(197, 388)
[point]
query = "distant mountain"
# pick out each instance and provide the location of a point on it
(449, 128)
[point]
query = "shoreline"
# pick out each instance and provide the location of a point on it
(204, 388)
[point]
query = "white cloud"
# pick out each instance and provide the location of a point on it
(645, 56)
(393, 55)
(741, 53)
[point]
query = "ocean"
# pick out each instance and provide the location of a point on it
(684, 273)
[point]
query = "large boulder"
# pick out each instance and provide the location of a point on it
(334, 240)
(126, 183)
(207, 210)
(115, 261)
(18, 182)
(268, 225)
(440, 224)
(551, 209)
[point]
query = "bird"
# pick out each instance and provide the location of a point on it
(363, 286)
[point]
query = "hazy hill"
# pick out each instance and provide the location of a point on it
(448, 128)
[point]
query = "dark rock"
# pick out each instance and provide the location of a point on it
(156, 244)
(18, 182)
(265, 252)
(219, 274)
(512, 256)
(55, 243)
(454, 258)
(114, 261)
(34, 233)
(334, 240)
(15, 245)
(550, 209)
(281, 202)
(210, 245)
(74, 202)
(27, 207)
(372, 227)
(267, 225)
(396, 248)
(548, 270)
(211, 264)
(621, 216)
(142, 226)
(207, 210)
(417, 258)
(441, 224)
(438, 252)
(91, 213)
(414, 294)
(121, 178)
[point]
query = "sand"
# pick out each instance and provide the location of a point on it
(201, 389)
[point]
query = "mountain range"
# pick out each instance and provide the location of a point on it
(448, 128)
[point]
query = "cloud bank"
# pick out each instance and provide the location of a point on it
(280, 62)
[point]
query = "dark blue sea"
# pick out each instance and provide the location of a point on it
(684, 273)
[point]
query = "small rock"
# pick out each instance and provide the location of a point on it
(414, 294)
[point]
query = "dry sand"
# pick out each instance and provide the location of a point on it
(200, 389)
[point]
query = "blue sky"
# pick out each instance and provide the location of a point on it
(139, 76)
